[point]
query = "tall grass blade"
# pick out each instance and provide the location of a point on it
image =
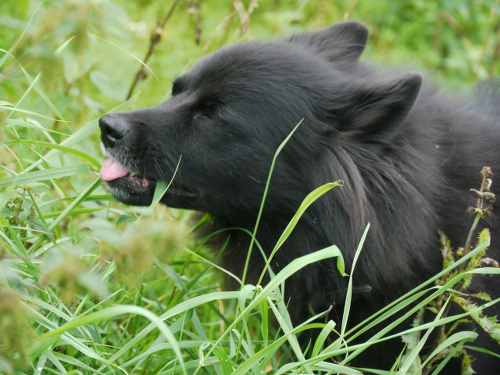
(112, 313)
(348, 298)
(312, 197)
(264, 196)
(291, 268)
(43, 175)
(413, 355)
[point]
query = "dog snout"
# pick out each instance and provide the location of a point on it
(114, 129)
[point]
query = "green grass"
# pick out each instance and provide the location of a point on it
(87, 284)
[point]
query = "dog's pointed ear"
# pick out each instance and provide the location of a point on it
(373, 113)
(342, 42)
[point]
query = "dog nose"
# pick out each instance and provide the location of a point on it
(113, 129)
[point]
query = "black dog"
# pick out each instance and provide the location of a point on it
(407, 154)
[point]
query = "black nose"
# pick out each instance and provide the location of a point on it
(113, 129)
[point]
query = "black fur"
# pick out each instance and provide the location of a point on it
(407, 154)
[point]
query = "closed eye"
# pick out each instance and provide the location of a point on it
(207, 109)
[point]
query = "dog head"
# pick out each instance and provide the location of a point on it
(229, 113)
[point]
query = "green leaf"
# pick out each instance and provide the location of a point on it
(68, 150)
(413, 295)
(112, 313)
(312, 197)
(323, 335)
(162, 187)
(450, 341)
(285, 324)
(254, 361)
(412, 358)
(348, 297)
(79, 135)
(291, 268)
(43, 175)
(174, 311)
(337, 369)
(64, 45)
(264, 197)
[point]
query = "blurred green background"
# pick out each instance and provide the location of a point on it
(66, 247)
(87, 51)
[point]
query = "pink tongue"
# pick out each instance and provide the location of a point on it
(112, 170)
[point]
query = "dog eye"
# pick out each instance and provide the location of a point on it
(206, 111)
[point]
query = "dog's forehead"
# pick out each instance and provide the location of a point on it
(255, 61)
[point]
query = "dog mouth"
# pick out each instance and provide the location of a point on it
(132, 188)
(113, 171)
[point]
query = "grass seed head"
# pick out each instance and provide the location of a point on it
(158, 236)
(67, 271)
(16, 331)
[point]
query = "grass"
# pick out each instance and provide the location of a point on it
(90, 286)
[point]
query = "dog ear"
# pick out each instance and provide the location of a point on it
(372, 113)
(342, 42)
